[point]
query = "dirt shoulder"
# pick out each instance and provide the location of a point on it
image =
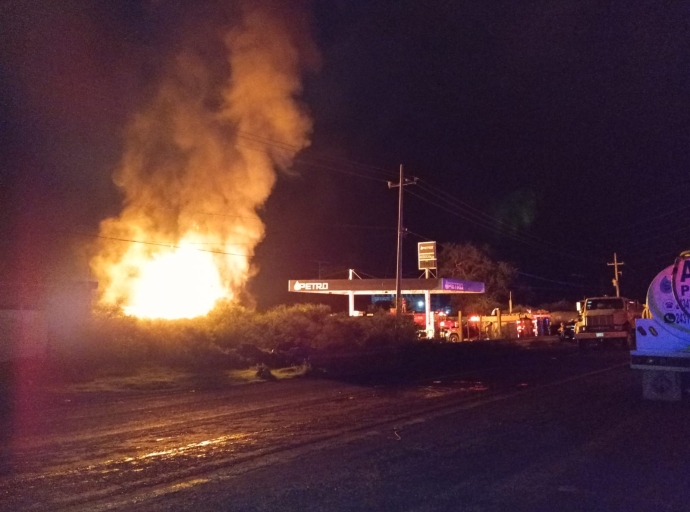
(77, 380)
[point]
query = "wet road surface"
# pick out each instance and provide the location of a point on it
(550, 430)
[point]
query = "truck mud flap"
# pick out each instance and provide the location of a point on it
(662, 385)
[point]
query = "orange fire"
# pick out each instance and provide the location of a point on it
(198, 164)
(168, 289)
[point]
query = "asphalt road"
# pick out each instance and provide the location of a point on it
(549, 429)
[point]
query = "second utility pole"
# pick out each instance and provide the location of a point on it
(615, 265)
(398, 268)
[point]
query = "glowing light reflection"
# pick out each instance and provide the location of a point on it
(184, 283)
(181, 449)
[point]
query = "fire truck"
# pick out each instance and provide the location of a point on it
(495, 326)
(445, 327)
(450, 329)
(662, 338)
(606, 320)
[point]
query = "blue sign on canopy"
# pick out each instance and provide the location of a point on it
(458, 285)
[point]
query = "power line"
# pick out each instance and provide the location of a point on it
(424, 238)
(485, 218)
(196, 212)
(317, 165)
(257, 219)
(462, 215)
(644, 240)
(380, 172)
(655, 217)
(574, 285)
(170, 246)
(295, 148)
(336, 169)
(657, 256)
(461, 204)
(515, 236)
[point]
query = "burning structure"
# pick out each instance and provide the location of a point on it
(199, 162)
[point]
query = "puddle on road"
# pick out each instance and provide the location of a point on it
(195, 450)
(191, 448)
(440, 388)
(188, 484)
(473, 386)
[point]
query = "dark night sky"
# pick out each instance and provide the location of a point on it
(566, 124)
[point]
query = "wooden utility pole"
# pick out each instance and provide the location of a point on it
(616, 273)
(398, 268)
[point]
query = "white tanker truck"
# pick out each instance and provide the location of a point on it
(662, 336)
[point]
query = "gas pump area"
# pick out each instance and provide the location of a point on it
(434, 324)
(424, 287)
(491, 327)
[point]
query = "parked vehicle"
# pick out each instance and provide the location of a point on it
(451, 330)
(607, 320)
(662, 342)
(567, 331)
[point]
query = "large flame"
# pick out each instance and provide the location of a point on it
(166, 288)
(198, 163)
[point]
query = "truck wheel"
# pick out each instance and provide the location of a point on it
(627, 341)
(453, 338)
(632, 339)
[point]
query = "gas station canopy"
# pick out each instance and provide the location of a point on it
(385, 286)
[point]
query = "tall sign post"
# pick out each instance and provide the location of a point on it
(426, 259)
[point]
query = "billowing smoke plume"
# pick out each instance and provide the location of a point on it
(199, 161)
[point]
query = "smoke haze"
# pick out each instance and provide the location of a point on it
(199, 163)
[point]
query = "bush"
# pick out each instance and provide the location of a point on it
(230, 336)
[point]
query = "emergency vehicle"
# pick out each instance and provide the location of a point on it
(662, 337)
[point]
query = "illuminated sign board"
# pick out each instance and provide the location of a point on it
(384, 286)
(426, 255)
(456, 285)
(298, 287)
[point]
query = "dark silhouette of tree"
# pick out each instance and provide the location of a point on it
(470, 262)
